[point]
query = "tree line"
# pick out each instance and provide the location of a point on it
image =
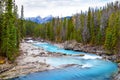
(11, 27)
(99, 26)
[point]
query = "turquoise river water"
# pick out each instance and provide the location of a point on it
(88, 67)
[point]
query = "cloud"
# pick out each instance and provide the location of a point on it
(57, 7)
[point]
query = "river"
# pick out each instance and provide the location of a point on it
(87, 67)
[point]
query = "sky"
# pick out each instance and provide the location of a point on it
(61, 8)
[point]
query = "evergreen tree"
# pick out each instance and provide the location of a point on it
(92, 29)
(70, 30)
(22, 27)
(89, 18)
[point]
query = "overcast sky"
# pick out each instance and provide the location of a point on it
(60, 8)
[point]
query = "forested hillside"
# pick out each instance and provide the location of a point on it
(99, 26)
(10, 27)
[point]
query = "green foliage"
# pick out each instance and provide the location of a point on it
(112, 32)
(9, 31)
(89, 21)
(108, 40)
(22, 27)
(70, 30)
(78, 36)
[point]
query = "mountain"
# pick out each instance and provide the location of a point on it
(40, 20)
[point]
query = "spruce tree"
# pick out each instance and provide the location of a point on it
(89, 18)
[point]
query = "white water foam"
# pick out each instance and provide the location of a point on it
(91, 57)
(30, 41)
(87, 66)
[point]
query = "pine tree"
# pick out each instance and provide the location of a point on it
(92, 29)
(99, 36)
(89, 18)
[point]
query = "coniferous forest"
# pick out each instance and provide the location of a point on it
(99, 26)
(10, 27)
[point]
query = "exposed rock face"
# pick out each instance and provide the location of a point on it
(73, 45)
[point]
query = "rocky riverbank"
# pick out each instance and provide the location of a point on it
(99, 50)
(73, 45)
(32, 59)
